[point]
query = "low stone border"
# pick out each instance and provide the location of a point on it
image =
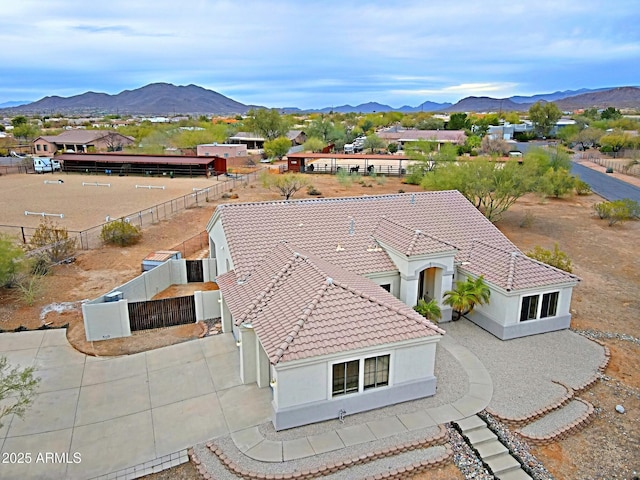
(571, 395)
(563, 432)
(522, 421)
(400, 473)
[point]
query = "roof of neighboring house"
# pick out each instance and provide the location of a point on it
(293, 134)
(296, 303)
(80, 136)
(119, 158)
(346, 232)
(455, 136)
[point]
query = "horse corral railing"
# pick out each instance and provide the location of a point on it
(91, 238)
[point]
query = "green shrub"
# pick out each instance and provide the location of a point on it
(311, 190)
(430, 310)
(120, 233)
(582, 187)
(556, 257)
(618, 211)
(53, 242)
(381, 179)
(344, 178)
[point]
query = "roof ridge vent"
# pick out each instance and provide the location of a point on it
(329, 281)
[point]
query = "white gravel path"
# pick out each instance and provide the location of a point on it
(522, 369)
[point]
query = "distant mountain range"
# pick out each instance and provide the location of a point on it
(168, 99)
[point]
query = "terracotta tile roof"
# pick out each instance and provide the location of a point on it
(407, 240)
(511, 269)
(80, 136)
(301, 306)
(343, 231)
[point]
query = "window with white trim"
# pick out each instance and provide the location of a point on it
(346, 377)
(358, 375)
(376, 372)
(539, 306)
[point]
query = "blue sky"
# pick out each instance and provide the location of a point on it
(311, 54)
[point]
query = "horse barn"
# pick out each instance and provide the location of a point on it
(154, 165)
(362, 163)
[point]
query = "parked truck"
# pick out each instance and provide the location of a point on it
(45, 165)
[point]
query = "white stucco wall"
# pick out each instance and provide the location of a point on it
(300, 383)
(391, 278)
(222, 256)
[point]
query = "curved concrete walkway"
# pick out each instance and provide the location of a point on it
(139, 410)
(253, 444)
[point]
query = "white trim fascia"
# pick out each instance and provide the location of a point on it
(360, 353)
(213, 220)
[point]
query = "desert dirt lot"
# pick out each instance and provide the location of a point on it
(606, 258)
(86, 206)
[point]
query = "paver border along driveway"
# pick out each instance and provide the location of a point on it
(101, 415)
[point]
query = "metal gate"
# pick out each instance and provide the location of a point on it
(165, 312)
(194, 271)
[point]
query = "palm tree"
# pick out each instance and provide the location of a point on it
(430, 310)
(467, 295)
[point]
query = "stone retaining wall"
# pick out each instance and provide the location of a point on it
(439, 439)
(563, 432)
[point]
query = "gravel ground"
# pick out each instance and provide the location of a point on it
(217, 470)
(452, 385)
(551, 422)
(522, 369)
(596, 335)
(518, 448)
(466, 459)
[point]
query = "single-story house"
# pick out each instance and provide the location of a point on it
(224, 150)
(255, 141)
(81, 141)
(441, 137)
(318, 294)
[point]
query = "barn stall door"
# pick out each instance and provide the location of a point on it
(194, 271)
(165, 312)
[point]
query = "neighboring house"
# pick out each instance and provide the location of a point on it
(297, 137)
(223, 150)
(81, 141)
(318, 294)
(441, 137)
(255, 141)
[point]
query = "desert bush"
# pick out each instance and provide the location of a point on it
(381, 179)
(582, 187)
(120, 233)
(556, 257)
(53, 241)
(618, 211)
(30, 287)
(528, 219)
(344, 179)
(311, 190)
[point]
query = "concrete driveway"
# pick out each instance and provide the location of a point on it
(117, 412)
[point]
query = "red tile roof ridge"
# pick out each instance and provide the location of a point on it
(514, 256)
(282, 348)
(417, 233)
(334, 199)
(265, 291)
(403, 310)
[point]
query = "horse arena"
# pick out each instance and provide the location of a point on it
(80, 202)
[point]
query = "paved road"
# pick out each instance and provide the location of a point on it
(605, 185)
